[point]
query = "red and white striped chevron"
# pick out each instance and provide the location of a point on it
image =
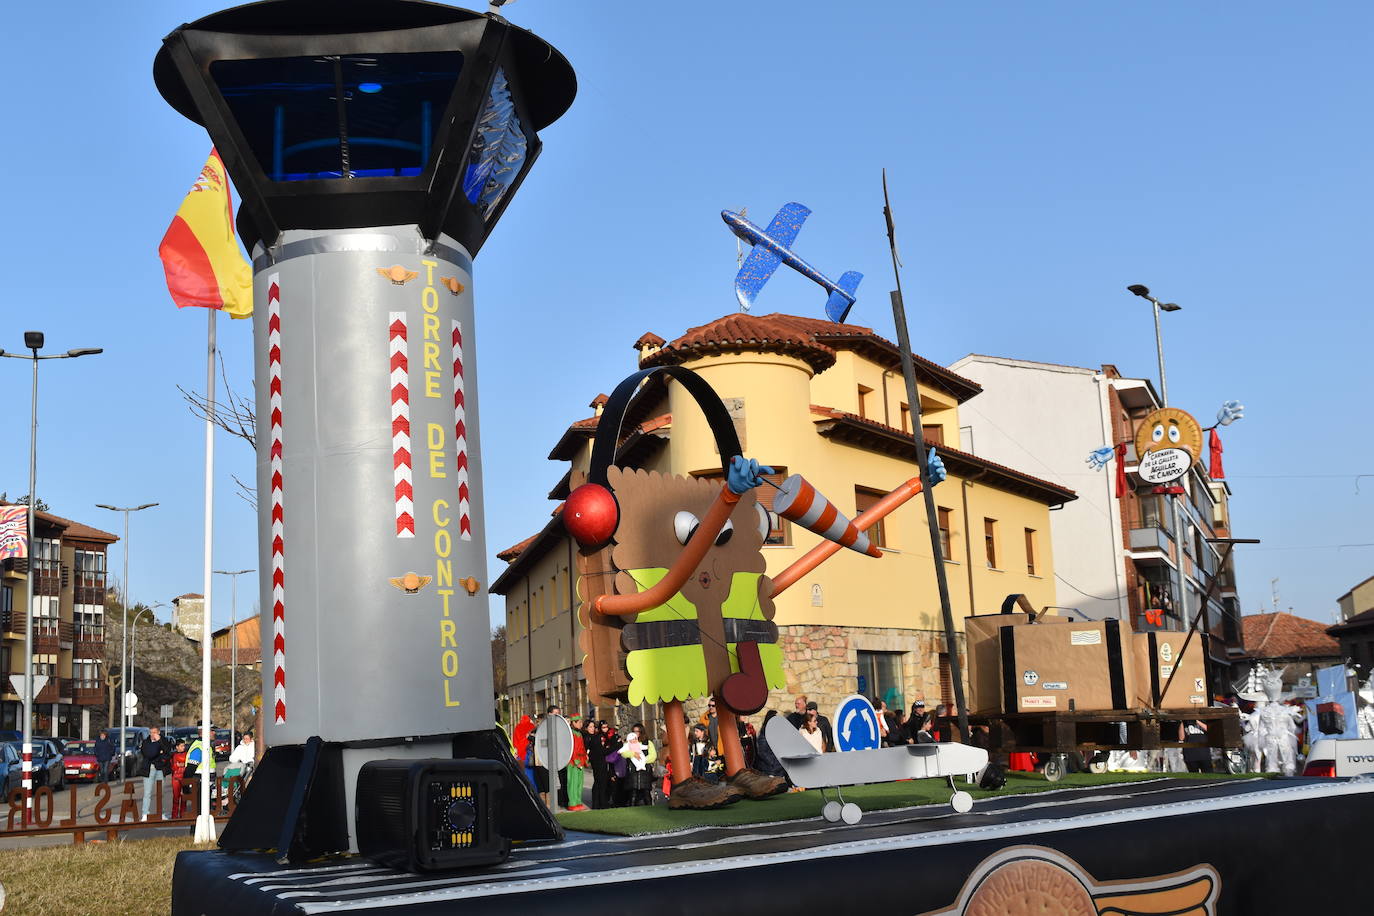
(278, 545)
(460, 434)
(400, 427)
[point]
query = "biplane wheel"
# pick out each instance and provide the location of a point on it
(961, 802)
(1054, 768)
(851, 813)
(831, 811)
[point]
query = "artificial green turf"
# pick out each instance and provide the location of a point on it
(800, 805)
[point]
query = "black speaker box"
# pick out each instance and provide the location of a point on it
(430, 815)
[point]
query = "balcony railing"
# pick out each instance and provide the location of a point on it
(47, 634)
(53, 691)
(87, 692)
(1150, 538)
(89, 642)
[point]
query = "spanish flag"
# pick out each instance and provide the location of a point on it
(199, 252)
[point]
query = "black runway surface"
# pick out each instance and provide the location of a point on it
(900, 861)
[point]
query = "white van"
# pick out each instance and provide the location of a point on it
(1337, 757)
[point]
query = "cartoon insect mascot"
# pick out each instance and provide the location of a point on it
(674, 597)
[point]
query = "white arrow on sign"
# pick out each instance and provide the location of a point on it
(39, 682)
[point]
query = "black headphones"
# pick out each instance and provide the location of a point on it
(591, 514)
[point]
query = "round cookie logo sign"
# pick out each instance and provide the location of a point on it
(1025, 880)
(1166, 652)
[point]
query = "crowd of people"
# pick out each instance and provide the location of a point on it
(629, 767)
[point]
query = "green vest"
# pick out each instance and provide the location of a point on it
(207, 759)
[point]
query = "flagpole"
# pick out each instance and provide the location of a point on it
(205, 821)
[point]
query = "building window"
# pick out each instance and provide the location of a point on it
(906, 417)
(1030, 551)
(946, 682)
(945, 550)
(863, 501)
(779, 528)
(880, 678)
(933, 433)
(864, 392)
(990, 541)
(6, 606)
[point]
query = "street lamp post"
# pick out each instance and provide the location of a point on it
(33, 341)
(124, 673)
(133, 641)
(1180, 580)
(233, 642)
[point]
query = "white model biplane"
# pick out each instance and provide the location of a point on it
(812, 770)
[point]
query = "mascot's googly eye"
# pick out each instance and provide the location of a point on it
(764, 521)
(1173, 434)
(1157, 434)
(725, 534)
(684, 526)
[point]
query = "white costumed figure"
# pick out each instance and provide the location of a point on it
(1273, 732)
(1365, 717)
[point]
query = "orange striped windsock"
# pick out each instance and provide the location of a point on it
(798, 501)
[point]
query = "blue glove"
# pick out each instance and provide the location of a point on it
(1099, 458)
(935, 468)
(744, 474)
(1230, 412)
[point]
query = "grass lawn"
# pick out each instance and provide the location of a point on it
(799, 805)
(126, 878)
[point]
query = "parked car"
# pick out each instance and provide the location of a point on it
(48, 767)
(223, 742)
(80, 760)
(132, 742)
(1340, 757)
(48, 758)
(11, 767)
(9, 734)
(187, 733)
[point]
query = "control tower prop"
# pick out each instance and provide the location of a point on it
(374, 146)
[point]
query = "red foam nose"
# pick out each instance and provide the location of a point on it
(590, 514)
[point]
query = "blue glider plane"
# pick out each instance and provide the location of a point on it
(772, 246)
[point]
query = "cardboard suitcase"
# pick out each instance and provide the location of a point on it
(1080, 666)
(981, 635)
(1156, 654)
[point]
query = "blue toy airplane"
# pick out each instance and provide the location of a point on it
(772, 246)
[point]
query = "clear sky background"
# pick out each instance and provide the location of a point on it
(1041, 156)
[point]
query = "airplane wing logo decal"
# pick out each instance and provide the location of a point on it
(773, 246)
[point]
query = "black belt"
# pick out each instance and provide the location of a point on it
(664, 634)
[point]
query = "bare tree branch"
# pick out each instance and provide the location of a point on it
(246, 493)
(233, 413)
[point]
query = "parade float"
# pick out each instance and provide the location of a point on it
(374, 146)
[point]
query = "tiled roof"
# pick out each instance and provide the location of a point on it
(514, 551)
(957, 461)
(739, 333)
(1280, 635)
(191, 595)
(812, 340)
(649, 339)
(73, 529)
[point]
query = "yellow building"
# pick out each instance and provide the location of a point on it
(826, 401)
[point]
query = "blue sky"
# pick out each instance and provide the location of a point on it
(1042, 157)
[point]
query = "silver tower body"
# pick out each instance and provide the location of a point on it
(369, 473)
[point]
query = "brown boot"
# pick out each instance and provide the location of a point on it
(758, 785)
(696, 794)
